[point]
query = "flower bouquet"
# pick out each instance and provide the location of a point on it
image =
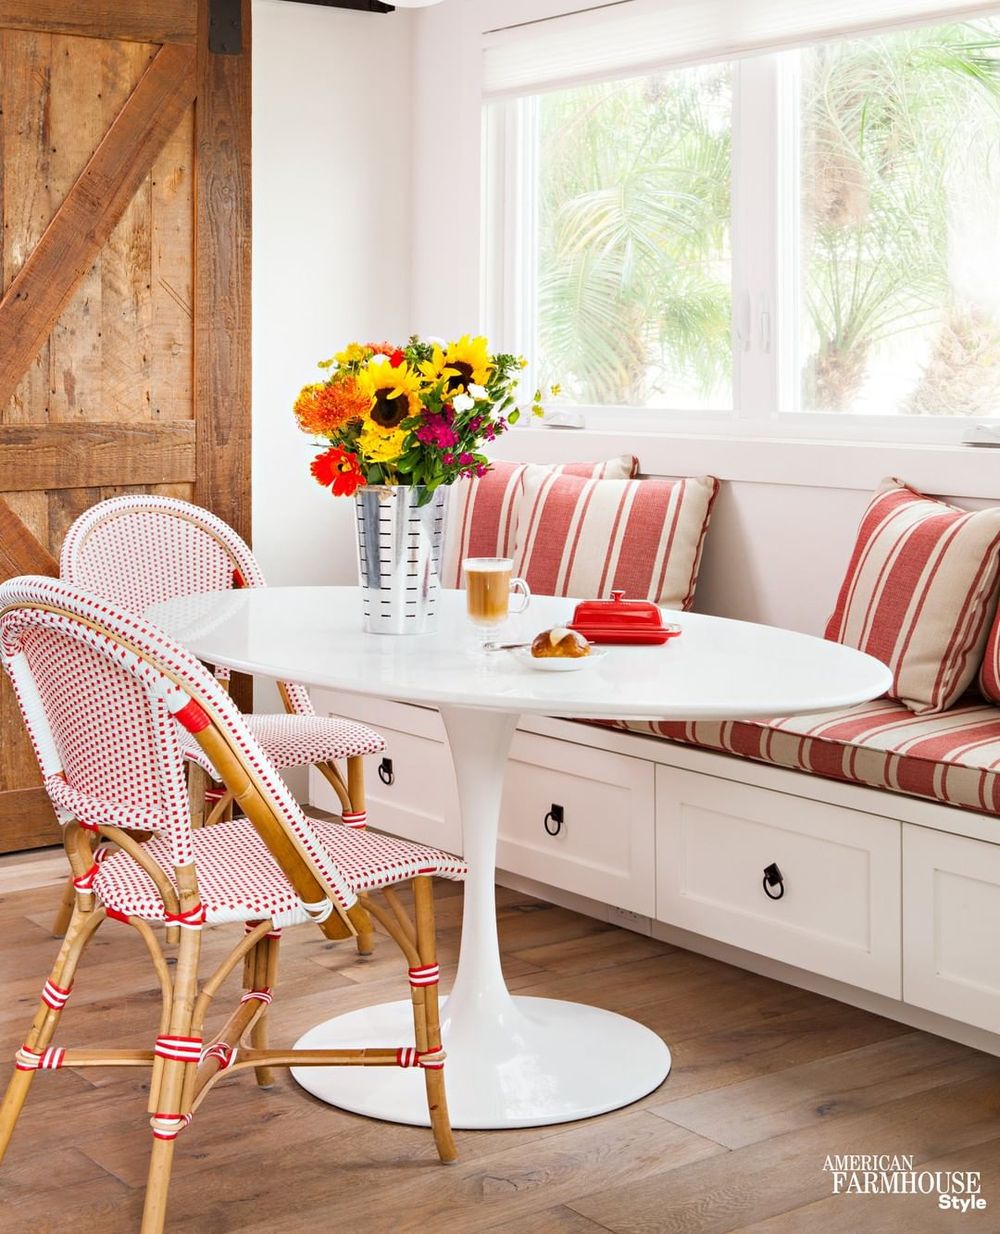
(396, 426)
(414, 415)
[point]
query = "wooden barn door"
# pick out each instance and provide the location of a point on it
(125, 280)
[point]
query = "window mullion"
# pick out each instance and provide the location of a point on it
(756, 215)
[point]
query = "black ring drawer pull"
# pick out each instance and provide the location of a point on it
(554, 820)
(385, 771)
(773, 878)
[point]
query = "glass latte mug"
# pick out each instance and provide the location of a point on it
(488, 588)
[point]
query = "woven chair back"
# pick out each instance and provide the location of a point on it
(140, 550)
(103, 694)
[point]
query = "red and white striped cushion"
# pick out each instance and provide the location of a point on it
(482, 513)
(952, 757)
(989, 674)
(239, 880)
(580, 537)
(920, 592)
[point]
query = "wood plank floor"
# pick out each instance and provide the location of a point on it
(767, 1081)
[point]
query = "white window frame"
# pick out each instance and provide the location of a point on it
(765, 179)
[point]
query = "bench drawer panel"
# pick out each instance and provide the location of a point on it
(840, 911)
(604, 847)
(951, 924)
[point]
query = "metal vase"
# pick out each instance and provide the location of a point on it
(399, 555)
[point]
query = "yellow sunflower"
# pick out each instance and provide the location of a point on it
(463, 364)
(380, 445)
(394, 392)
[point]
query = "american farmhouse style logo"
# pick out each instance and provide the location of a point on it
(885, 1174)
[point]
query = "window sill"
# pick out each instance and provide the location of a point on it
(949, 470)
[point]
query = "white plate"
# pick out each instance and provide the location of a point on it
(557, 664)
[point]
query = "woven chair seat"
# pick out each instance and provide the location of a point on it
(238, 880)
(298, 740)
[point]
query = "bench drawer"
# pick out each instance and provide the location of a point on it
(604, 847)
(420, 804)
(840, 911)
(951, 923)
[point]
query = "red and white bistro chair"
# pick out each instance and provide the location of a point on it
(111, 705)
(140, 550)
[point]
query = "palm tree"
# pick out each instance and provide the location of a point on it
(891, 125)
(634, 218)
(634, 206)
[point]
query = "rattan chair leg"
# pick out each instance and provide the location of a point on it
(356, 782)
(65, 910)
(174, 1080)
(264, 973)
(427, 1021)
(78, 935)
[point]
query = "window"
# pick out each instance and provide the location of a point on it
(808, 236)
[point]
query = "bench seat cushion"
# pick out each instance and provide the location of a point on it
(952, 757)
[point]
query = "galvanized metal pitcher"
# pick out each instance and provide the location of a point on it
(399, 554)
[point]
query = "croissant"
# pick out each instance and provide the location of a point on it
(560, 642)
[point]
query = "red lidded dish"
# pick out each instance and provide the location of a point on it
(621, 621)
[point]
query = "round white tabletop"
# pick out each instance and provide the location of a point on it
(512, 1062)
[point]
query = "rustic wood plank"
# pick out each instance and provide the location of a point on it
(766, 1179)
(20, 552)
(172, 343)
(222, 279)
(27, 820)
(165, 21)
(42, 287)
(76, 126)
(28, 200)
(86, 455)
(818, 1092)
(126, 275)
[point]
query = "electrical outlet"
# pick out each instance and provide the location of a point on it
(630, 921)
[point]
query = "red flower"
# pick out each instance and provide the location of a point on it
(339, 470)
(397, 357)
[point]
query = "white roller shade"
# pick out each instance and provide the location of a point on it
(638, 35)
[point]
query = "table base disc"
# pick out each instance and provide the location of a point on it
(552, 1062)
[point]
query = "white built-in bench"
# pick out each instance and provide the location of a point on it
(891, 902)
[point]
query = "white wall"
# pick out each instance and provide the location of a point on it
(332, 247)
(332, 99)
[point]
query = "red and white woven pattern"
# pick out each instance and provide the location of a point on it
(141, 549)
(989, 674)
(100, 717)
(952, 757)
(482, 513)
(299, 740)
(107, 713)
(239, 881)
(580, 537)
(920, 592)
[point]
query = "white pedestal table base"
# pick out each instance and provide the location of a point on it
(544, 1062)
(521, 1062)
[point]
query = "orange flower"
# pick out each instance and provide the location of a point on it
(325, 407)
(339, 470)
(381, 349)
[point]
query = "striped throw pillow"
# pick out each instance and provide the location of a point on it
(989, 674)
(920, 592)
(482, 513)
(586, 537)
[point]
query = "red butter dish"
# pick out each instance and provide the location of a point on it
(621, 621)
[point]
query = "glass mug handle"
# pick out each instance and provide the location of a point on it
(518, 587)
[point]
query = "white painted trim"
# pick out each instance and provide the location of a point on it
(952, 471)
